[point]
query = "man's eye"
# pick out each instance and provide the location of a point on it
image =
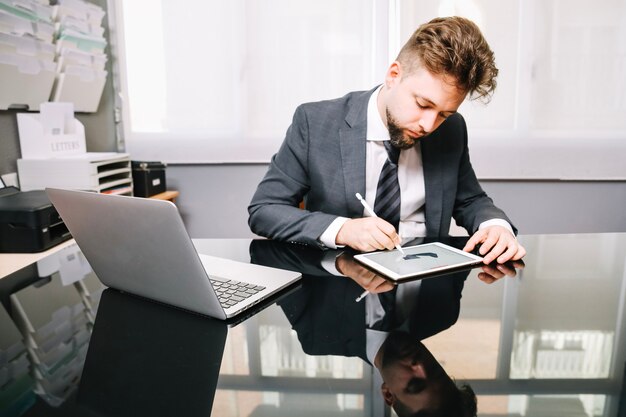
(415, 385)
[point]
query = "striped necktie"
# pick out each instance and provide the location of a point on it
(387, 204)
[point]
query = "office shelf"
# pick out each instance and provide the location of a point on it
(100, 172)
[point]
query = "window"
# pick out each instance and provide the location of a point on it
(562, 65)
(218, 81)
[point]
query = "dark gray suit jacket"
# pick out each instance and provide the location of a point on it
(322, 161)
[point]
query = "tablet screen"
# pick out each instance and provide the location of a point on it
(421, 259)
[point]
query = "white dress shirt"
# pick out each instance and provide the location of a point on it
(406, 300)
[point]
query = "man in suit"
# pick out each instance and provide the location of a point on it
(337, 148)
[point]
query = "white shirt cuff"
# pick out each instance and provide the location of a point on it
(328, 263)
(497, 222)
(329, 237)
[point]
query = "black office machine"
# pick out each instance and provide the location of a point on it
(148, 178)
(29, 222)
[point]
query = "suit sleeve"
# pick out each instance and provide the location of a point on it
(472, 205)
(273, 211)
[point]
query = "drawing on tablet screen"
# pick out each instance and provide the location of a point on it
(418, 255)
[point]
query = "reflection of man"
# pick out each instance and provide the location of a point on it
(402, 145)
(415, 384)
(383, 330)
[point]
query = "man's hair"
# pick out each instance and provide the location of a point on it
(459, 401)
(453, 46)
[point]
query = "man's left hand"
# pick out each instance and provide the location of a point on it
(492, 273)
(496, 243)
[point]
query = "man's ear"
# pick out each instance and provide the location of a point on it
(387, 394)
(394, 74)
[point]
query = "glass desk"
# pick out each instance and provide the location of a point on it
(548, 341)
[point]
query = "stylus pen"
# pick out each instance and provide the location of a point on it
(362, 296)
(371, 213)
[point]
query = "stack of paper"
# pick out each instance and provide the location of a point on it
(51, 53)
(81, 60)
(27, 53)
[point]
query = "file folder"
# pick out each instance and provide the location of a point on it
(28, 9)
(25, 46)
(82, 86)
(80, 10)
(20, 26)
(19, 71)
(75, 57)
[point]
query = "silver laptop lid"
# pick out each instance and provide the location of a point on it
(139, 246)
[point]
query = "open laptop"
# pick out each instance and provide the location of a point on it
(141, 246)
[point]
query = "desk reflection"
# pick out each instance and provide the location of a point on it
(544, 339)
(150, 359)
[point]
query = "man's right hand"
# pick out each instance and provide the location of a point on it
(367, 279)
(367, 234)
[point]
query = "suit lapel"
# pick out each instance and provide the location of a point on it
(352, 142)
(433, 181)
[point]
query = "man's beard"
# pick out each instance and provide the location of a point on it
(396, 135)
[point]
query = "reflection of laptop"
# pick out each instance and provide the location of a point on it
(147, 359)
(140, 246)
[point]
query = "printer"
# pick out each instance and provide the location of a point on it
(29, 222)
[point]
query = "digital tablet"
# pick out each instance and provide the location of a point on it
(420, 260)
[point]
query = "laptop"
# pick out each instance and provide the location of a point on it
(141, 246)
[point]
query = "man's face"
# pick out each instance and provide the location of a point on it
(412, 376)
(417, 104)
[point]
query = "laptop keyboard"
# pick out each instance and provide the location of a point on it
(231, 292)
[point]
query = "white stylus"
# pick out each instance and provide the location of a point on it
(362, 296)
(371, 213)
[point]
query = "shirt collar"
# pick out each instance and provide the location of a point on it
(376, 129)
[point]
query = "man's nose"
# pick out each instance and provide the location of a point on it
(418, 370)
(428, 121)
